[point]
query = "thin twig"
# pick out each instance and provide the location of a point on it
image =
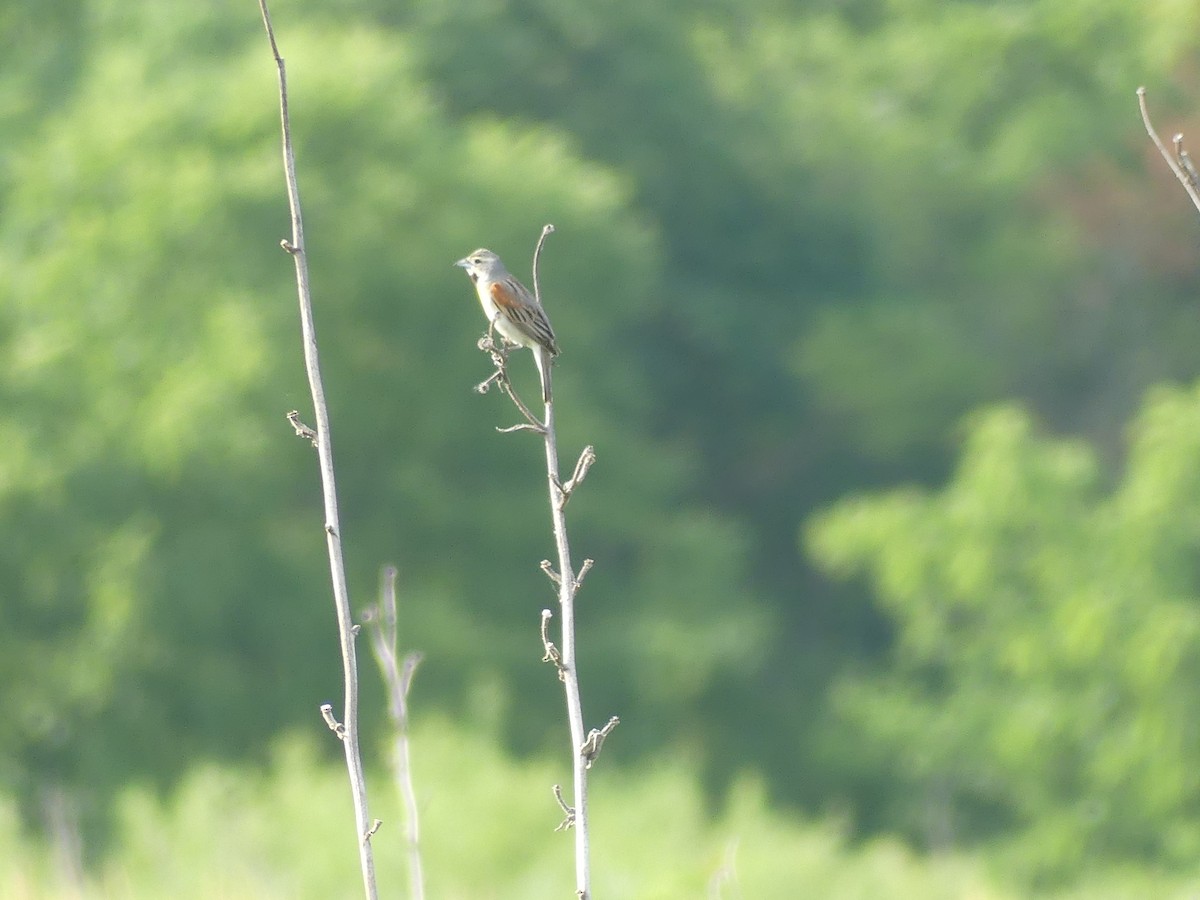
(499, 355)
(547, 230)
(397, 679)
(1179, 160)
(346, 628)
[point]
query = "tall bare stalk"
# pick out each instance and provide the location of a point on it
(585, 746)
(347, 729)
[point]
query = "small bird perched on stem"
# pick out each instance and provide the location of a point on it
(512, 310)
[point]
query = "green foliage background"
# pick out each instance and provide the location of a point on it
(799, 246)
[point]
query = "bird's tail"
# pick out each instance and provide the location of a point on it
(542, 358)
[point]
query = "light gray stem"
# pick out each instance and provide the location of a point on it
(569, 672)
(348, 729)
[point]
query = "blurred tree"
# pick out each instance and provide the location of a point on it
(166, 592)
(874, 216)
(797, 242)
(1040, 691)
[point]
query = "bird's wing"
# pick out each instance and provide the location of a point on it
(522, 310)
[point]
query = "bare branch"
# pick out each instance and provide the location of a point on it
(499, 354)
(1177, 165)
(521, 426)
(295, 246)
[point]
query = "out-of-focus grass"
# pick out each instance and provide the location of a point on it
(487, 832)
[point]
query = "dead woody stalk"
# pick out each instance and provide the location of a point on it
(346, 730)
(585, 745)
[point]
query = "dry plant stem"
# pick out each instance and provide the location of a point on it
(349, 727)
(568, 672)
(584, 746)
(1179, 160)
(397, 678)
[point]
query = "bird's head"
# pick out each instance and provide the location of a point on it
(482, 264)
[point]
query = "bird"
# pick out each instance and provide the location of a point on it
(512, 310)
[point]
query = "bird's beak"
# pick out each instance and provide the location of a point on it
(462, 262)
